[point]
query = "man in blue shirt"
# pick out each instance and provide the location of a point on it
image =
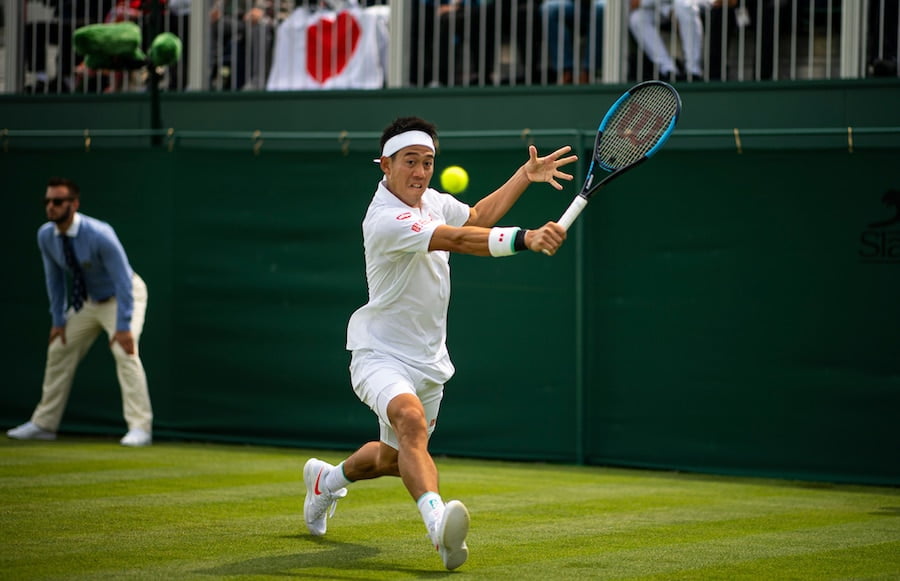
(106, 296)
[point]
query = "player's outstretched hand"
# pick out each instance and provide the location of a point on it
(547, 239)
(546, 169)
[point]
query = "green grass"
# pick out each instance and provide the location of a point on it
(91, 509)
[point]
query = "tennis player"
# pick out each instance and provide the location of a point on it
(399, 362)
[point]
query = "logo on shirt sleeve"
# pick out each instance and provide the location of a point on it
(420, 223)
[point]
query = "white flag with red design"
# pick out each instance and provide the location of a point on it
(331, 50)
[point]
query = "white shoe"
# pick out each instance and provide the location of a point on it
(449, 535)
(320, 503)
(137, 437)
(30, 431)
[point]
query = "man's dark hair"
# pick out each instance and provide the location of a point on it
(67, 183)
(404, 124)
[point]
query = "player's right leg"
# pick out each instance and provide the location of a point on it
(449, 535)
(447, 524)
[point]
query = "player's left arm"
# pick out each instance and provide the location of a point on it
(490, 209)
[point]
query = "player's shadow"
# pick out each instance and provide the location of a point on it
(339, 556)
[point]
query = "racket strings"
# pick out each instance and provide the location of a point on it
(636, 126)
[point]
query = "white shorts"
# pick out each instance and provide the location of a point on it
(378, 378)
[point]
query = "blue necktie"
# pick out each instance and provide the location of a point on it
(79, 291)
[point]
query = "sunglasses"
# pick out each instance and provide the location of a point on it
(57, 201)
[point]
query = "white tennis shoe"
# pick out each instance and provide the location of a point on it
(30, 431)
(449, 535)
(320, 504)
(136, 438)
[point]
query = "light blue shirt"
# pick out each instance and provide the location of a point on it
(103, 260)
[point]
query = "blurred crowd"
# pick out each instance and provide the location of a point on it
(308, 44)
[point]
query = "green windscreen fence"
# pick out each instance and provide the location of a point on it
(743, 314)
(711, 311)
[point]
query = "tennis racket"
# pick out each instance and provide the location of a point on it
(634, 128)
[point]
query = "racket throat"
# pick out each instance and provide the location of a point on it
(589, 183)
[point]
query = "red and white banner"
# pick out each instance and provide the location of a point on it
(324, 49)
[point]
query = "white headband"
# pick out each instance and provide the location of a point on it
(398, 142)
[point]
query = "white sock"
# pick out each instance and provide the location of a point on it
(335, 479)
(432, 508)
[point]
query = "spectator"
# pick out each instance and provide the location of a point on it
(882, 38)
(563, 41)
(242, 36)
(722, 19)
(68, 15)
(178, 22)
(644, 22)
(448, 40)
(771, 18)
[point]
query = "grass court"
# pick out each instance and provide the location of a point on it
(88, 508)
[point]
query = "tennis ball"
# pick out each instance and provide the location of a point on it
(454, 179)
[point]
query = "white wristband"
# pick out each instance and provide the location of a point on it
(501, 241)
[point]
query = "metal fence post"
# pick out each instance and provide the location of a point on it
(398, 58)
(852, 38)
(12, 39)
(198, 61)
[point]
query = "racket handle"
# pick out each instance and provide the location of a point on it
(572, 212)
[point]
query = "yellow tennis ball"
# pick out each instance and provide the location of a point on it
(454, 179)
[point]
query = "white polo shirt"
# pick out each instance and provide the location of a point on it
(409, 287)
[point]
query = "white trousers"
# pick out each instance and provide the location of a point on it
(644, 25)
(82, 329)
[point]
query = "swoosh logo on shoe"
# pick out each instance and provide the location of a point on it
(316, 488)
